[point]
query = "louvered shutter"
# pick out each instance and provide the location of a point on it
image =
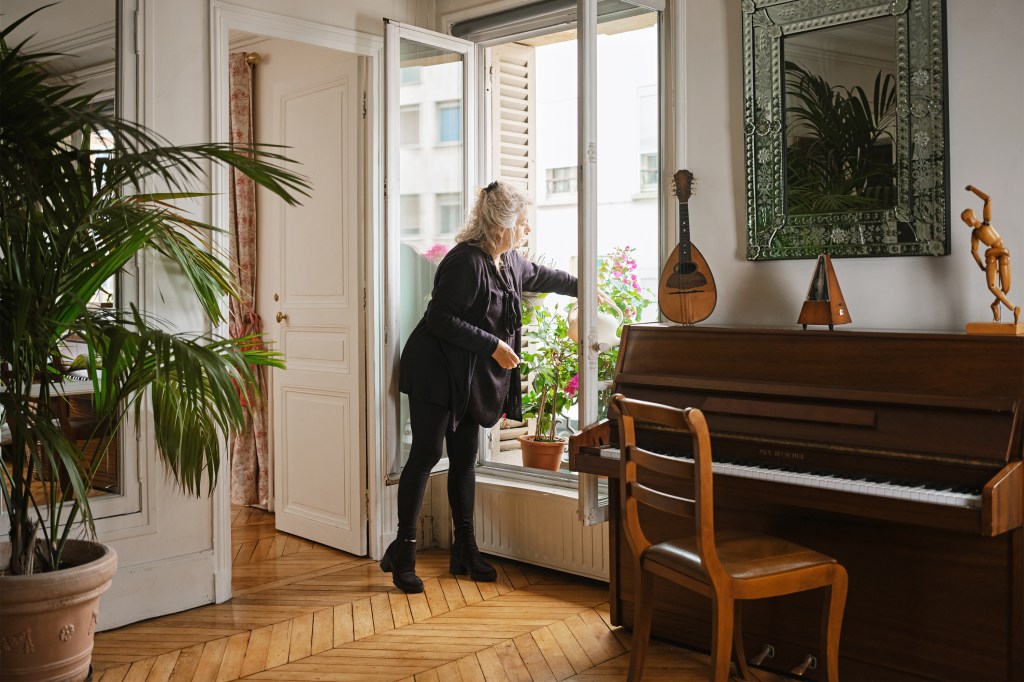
(511, 114)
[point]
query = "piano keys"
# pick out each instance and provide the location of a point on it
(900, 454)
(962, 496)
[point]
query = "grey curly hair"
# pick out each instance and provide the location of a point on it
(497, 209)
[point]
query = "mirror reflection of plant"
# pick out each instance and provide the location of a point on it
(834, 166)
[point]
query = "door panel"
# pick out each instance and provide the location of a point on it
(312, 301)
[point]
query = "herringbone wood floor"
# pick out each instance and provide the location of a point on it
(302, 611)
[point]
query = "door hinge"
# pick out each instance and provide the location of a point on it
(136, 21)
(364, 298)
(364, 103)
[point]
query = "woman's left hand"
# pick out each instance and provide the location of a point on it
(605, 298)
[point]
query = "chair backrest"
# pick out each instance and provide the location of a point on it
(635, 458)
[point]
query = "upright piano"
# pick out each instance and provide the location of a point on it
(899, 454)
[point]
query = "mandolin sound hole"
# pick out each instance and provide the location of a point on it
(686, 281)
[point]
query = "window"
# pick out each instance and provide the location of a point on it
(649, 172)
(412, 221)
(410, 125)
(449, 213)
(533, 111)
(410, 75)
(647, 129)
(560, 180)
(449, 122)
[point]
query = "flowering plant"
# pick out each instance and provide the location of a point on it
(617, 279)
(551, 362)
(551, 359)
(436, 253)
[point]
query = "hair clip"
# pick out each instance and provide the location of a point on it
(491, 186)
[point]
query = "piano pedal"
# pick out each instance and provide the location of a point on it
(767, 652)
(809, 663)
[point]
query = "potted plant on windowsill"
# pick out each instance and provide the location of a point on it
(551, 362)
(65, 229)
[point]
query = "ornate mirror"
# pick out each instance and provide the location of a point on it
(845, 128)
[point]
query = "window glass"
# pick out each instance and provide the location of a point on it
(628, 221)
(431, 177)
(649, 172)
(449, 122)
(410, 132)
(410, 75)
(560, 180)
(449, 213)
(412, 225)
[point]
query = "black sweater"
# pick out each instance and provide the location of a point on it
(471, 307)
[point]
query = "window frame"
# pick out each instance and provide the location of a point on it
(592, 492)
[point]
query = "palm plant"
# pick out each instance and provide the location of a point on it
(833, 165)
(65, 229)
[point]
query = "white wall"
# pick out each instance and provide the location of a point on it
(986, 97)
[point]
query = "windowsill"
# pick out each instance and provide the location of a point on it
(543, 488)
(646, 195)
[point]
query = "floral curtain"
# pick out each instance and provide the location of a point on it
(249, 453)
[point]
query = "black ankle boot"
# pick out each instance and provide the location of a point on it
(400, 561)
(466, 559)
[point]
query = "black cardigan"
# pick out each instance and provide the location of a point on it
(440, 356)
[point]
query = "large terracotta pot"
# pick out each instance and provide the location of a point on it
(49, 619)
(539, 454)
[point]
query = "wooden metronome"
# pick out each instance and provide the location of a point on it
(824, 304)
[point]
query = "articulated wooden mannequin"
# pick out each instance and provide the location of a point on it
(997, 257)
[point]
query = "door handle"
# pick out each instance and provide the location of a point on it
(281, 317)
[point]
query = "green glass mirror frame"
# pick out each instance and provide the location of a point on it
(918, 225)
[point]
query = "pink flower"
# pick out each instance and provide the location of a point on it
(436, 252)
(574, 385)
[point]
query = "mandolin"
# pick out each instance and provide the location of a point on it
(686, 290)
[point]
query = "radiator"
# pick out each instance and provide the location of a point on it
(529, 524)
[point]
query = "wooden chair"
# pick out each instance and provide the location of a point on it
(728, 566)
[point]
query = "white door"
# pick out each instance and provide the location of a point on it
(311, 294)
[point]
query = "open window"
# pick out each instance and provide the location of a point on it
(531, 123)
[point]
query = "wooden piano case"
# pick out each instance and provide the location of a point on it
(936, 592)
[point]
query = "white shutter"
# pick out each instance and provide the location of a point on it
(511, 77)
(512, 100)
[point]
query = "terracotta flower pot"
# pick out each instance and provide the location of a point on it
(49, 619)
(539, 454)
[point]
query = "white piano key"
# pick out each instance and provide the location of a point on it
(913, 493)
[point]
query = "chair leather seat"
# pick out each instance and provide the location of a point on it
(743, 555)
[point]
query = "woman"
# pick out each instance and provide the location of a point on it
(457, 367)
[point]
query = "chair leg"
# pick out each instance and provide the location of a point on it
(737, 642)
(642, 612)
(721, 638)
(832, 621)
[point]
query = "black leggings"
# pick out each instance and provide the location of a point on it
(429, 432)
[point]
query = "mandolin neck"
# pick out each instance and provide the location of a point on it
(684, 234)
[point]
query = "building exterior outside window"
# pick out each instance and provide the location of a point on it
(411, 224)
(449, 122)
(649, 172)
(449, 213)
(410, 125)
(560, 180)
